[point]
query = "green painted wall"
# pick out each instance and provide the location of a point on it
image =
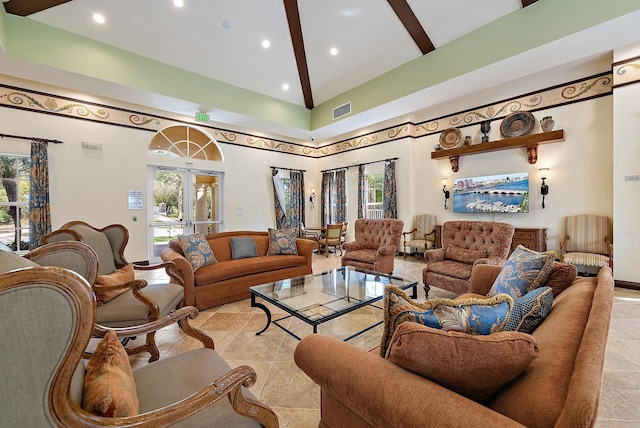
(40, 43)
(3, 33)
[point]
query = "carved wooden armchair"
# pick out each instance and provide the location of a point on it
(47, 315)
(331, 237)
(587, 241)
(123, 301)
(423, 235)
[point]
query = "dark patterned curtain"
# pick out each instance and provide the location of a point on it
(362, 189)
(341, 196)
(39, 208)
(325, 198)
(389, 192)
(278, 197)
(296, 194)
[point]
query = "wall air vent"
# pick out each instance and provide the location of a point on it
(343, 110)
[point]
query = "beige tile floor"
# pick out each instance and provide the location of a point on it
(296, 399)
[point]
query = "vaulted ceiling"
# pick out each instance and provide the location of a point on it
(223, 40)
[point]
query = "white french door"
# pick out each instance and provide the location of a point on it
(184, 201)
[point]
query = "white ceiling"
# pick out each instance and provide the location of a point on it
(369, 37)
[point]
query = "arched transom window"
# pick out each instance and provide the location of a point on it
(186, 141)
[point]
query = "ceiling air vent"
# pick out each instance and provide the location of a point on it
(344, 109)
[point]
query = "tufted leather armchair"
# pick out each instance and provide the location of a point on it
(464, 245)
(375, 246)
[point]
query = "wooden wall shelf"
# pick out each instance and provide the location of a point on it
(530, 141)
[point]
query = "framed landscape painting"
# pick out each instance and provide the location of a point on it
(503, 193)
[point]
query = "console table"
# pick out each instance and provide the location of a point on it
(534, 238)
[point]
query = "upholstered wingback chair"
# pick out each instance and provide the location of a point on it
(464, 245)
(375, 246)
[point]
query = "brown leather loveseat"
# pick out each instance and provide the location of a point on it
(229, 280)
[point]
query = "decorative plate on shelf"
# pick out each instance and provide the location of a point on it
(517, 124)
(450, 138)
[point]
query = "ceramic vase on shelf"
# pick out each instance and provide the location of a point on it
(485, 127)
(547, 124)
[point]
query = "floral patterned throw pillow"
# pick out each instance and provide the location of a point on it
(282, 242)
(197, 250)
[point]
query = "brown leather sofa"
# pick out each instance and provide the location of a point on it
(560, 387)
(465, 244)
(229, 280)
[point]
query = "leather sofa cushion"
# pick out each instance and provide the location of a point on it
(452, 268)
(365, 256)
(241, 267)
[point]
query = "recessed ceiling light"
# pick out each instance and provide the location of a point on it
(266, 43)
(333, 51)
(99, 18)
(285, 87)
(178, 3)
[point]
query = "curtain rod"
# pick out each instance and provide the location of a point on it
(360, 164)
(31, 138)
(289, 169)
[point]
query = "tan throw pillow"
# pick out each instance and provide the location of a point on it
(109, 387)
(463, 255)
(121, 276)
(474, 366)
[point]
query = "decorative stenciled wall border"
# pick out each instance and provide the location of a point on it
(626, 72)
(40, 102)
(580, 90)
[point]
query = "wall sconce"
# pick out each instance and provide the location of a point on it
(447, 194)
(312, 198)
(544, 189)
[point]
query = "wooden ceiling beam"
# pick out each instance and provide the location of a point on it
(526, 3)
(413, 26)
(27, 7)
(295, 29)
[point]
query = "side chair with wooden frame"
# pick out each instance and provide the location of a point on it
(331, 238)
(122, 302)
(49, 314)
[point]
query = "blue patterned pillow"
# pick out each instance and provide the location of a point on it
(196, 249)
(530, 310)
(523, 271)
(473, 316)
(282, 242)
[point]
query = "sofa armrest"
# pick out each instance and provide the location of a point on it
(482, 278)
(306, 247)
(386, 395)
(181, 272)
(435, 255)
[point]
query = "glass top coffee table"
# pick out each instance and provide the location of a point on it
(318, 298)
